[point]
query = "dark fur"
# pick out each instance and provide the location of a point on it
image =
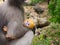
(12, 15)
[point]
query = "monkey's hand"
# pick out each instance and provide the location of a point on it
(5, 29)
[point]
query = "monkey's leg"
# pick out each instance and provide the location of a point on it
(25, 40)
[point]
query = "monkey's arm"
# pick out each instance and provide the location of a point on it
(25, 40)
(15, 31)
(11, 28)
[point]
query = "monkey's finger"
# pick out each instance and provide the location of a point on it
(5, 29)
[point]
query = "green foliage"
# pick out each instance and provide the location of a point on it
(52, 36)
(54, 10)
(39, 40)
(55, 29)
(36, 1)
(52, 7)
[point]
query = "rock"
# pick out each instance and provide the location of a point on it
(38, 10)
(42, 22)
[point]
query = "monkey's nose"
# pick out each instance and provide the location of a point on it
(8, 37)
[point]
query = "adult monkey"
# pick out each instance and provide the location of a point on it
(12, 16)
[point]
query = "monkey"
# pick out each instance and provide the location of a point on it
(23, 39)
(12, 16)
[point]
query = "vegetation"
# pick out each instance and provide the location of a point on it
(36, 1)
(52, 36)
(54, 10)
